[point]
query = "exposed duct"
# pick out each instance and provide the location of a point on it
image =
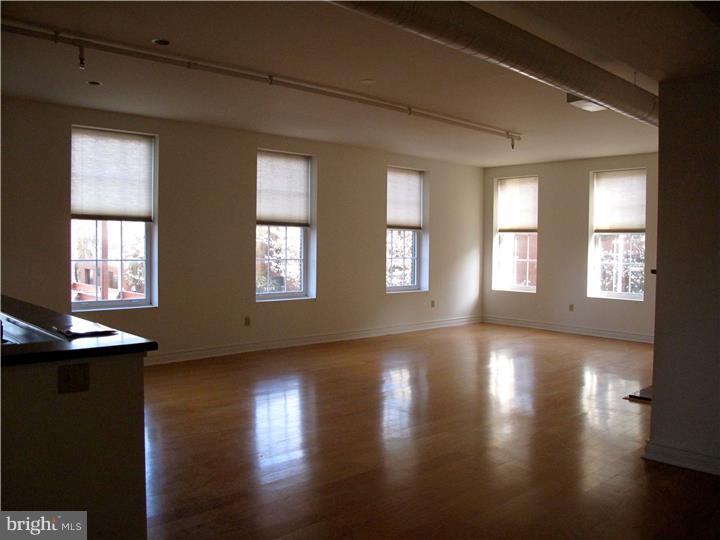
(477, 33)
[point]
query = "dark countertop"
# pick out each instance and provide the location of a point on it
(62, 348)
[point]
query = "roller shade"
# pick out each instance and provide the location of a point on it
(111, 175)
(283, 189)
(517, 204)
(404, 199)
(619, 201)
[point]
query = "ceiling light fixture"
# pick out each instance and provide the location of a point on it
(584, 104)
(160, 41)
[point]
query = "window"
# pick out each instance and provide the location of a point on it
(112, 177)
(616, 266)
(515, 241)
(282, 226)
(404, 229)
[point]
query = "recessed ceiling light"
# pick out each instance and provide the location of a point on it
(368, 82)
(160, 41)
(94, 83)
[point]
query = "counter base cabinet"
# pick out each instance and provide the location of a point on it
(74, 440)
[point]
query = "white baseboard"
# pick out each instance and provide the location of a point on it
(682, 458)
(568, 329)
(207, 352)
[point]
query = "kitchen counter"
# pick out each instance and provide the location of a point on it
(58, 347)
(73, 421)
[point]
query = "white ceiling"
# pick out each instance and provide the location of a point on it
(318, 42)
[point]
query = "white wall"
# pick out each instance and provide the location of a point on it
(563, 234)
(206, 224)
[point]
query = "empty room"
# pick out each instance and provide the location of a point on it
(360, 269)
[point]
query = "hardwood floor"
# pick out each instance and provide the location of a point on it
(476, 431)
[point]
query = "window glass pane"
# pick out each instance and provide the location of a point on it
(293, 276)
(276, 276)
(261, 241)
(532, 274)
(617, 265)
(397, 247)
(261, 275)
(133, 240)
(532, 246)
(108, 280)
(515, 261)
(83, 281)
(276, 242)
(294, 242)
(83, 239)
(409, 244)
(409, 276)
(607, 272)
(520, 273)
(394, 273)
(108, 239)
(521, 246)
(133, 280)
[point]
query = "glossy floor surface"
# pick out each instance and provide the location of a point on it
(474, 432)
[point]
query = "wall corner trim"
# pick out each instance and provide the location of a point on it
(682, 458)
(568, 329)
(208, 352)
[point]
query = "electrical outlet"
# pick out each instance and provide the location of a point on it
(432, 303)
(247, 321)
(571, 307)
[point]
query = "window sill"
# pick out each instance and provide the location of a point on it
(287, 299)
(613, 297)
(405, 291)
(110, 308)
(526, 291)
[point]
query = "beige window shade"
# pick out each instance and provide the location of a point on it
(619, 201)
(111, 175)
(283, 189)
(404, 199)
(517, 204)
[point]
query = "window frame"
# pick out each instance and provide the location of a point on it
(270, 296)
(309, 234)
(421, 238)
(594, 291)
(495, 263)
(417, 234)
(151, 238)
(94, 305)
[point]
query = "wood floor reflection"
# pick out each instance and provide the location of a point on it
(476, 431)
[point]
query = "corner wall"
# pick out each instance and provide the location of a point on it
(206, 222)
(685, 424)
(563, 236)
